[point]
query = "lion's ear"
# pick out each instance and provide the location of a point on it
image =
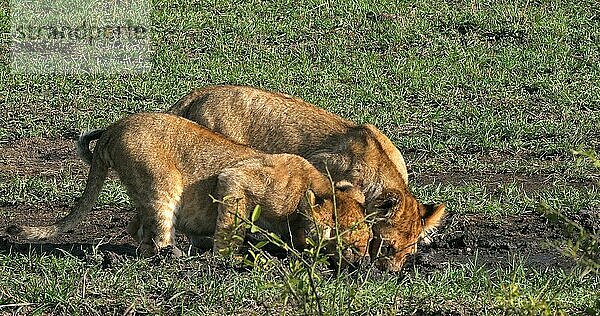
(433, 216)
(310, 197)
(313, 199)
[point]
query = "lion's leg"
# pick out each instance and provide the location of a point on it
(299, 237)
(198, 214)
(156, 217)
(231, 213)
(230, 229)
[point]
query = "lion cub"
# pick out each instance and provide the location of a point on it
(172, 168)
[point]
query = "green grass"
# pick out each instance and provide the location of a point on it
(194, 286)
(48, 191)
(484, 99)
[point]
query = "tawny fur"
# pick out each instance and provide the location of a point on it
(172, 166)
(279, 123)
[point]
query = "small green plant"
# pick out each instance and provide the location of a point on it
(587, 154)
(585, 246)
(301, 274)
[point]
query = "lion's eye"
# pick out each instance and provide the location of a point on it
(319, 200)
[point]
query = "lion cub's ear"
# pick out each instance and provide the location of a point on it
(354, 192)
(310, 197)
(433, 216)
(343, 185)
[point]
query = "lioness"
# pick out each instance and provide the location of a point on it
(172, 167)
(278, 123)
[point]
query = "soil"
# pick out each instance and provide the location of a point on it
(463, 238)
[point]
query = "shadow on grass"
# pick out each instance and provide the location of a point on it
(108, 253)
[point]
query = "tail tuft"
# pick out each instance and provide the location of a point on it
(32, 232)
(14, 230)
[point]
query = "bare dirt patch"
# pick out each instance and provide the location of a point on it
(530, 181)
(495, 242)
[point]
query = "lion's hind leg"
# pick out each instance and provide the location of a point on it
(157, 207)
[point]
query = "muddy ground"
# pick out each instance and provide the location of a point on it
(463, 238)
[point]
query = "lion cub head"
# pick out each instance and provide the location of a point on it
(345, 211)
(401, 221)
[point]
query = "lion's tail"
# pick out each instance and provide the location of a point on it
(83, 144)
(96, 177)
(32, 232)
